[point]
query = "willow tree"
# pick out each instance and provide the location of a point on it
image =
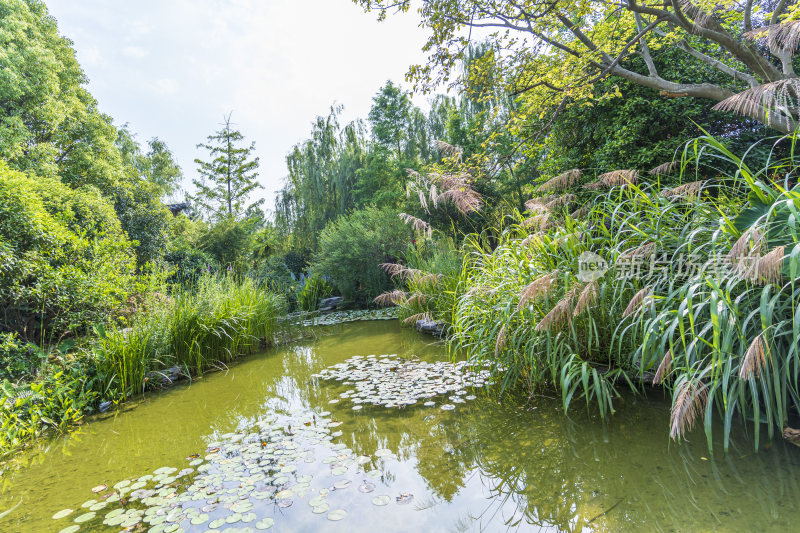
(322, 177)
(562, 47)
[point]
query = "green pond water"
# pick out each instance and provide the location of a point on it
(483, 466)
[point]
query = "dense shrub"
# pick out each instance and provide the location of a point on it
(228, 242)
(352, 247)
(58, 399)
(188, 263)
(66, 263)
(144, 218)
(17, 358)
(296, 261)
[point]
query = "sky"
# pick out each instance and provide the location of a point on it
(174, 68)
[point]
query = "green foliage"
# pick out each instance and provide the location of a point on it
(321, 180)
(229, 243)
(156, 166)
(352, 247)
(380, 181)
(17, 358)
(296, 261)
(498, 320)
(66, 262)
(183, 257)
(56, 401)
(274, 274)
(636, 128)
(715, 323)
(314, 289)
(219, 319)
(50, 124)
(550, 56)
(432, 279)
(188, 263)
(229, 177)
(389, 117)
(144, 219)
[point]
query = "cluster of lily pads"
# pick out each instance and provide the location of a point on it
(241, 482)
(342, 317)
(390, 381)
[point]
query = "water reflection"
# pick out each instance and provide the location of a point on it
(483, 467)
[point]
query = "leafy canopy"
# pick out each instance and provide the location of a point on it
(552, 50)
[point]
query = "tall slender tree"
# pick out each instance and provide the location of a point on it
(229, 177)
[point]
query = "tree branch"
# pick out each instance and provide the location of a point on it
(775, 14)
(748, 20)
(712, 30)
(651, 66)
(684, 45)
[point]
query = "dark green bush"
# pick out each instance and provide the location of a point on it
(66, 263)
(228, 242)
(352, 247)
(296, 261)
(188, 263)
(17, 358)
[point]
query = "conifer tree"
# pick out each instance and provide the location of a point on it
(230, 175)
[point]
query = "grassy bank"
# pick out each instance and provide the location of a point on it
(196, 329)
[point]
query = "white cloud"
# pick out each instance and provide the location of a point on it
(134, 52)
(166, 86)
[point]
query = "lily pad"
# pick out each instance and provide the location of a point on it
(218, 523)
(200, 519)
(381, 500)
(337, 515)
(265, 523)
(321, 508)
(85, 517)
(317, 500)
(62, 514)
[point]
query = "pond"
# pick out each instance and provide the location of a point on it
(262, 447)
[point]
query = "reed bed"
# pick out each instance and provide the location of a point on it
(697, 290)
(218, 320)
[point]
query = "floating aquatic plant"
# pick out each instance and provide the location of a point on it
(342, 317)
(390, 381)
(236, 481)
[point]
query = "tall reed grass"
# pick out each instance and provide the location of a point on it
(716, 323)
(214, 322)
